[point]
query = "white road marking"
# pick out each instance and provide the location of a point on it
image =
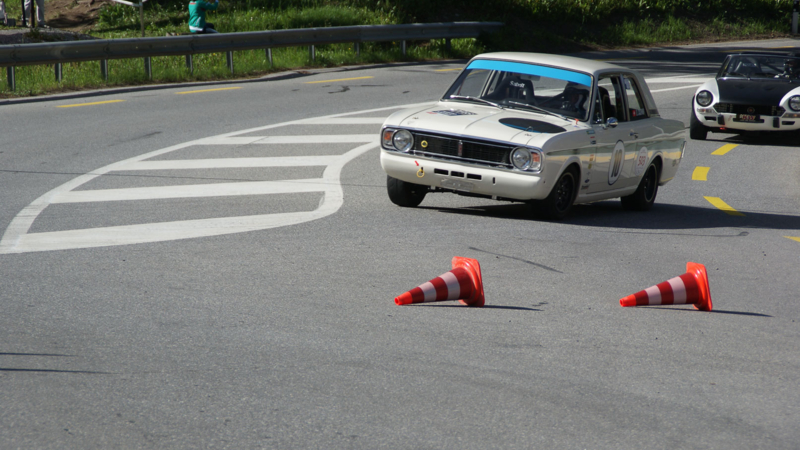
(232, 163)
(691, 86)
(193, 191)
(680, 79)
(305, 139)
(17, 238)
(351, 121)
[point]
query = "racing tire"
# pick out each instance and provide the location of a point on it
(559, 202)
(404, 194)
(697, 130)
(645, 195)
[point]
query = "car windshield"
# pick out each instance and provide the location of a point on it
(761, 66)
(529, 87)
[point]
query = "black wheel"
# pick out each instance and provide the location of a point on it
(557, 205)
(405, 194)
(645, 195)
(697, 130)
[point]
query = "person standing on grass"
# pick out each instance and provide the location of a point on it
(39, 12)
(197, 16)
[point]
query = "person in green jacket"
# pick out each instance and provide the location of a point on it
(197, 16)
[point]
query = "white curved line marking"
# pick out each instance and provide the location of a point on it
(17, 239)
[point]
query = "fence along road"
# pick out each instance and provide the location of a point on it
(19, 239)
(105, 49)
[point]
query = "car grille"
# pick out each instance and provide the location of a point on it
(471, 150)
(761, 110)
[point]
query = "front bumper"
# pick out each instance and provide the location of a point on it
(495, 183)
(713, 119)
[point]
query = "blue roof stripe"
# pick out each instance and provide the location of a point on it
(530, 69)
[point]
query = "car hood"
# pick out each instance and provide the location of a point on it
(496, 124)
(756, 92)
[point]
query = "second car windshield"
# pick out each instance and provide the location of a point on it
(761, 66)
(524, 86)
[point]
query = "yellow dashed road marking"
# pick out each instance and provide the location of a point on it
(724, 149)
(340, 79)
(793, 238)
(209, 90)
(446, 70)
(716, 201)
(700, 173)
(89, 104)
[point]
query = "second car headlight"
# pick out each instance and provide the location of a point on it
(403, 140)
(704, 98)
(794, 103)
(526, 159)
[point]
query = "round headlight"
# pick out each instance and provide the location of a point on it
(521, 158)
(403, 140)
(794, 103)
(704, 98)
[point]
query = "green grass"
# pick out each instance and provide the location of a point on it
(531, 25)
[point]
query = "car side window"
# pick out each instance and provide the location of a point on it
(608, 102)
(636, 106)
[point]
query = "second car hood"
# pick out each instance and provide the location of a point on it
(483, 122)
(756, 92)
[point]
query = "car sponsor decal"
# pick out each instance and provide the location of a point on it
(641, 161)
(615, 165)
(453, 112)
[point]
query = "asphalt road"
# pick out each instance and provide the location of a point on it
(259, 313)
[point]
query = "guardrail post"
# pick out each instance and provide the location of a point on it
(148, 68)
(12, 79)
(795, 12)
(190, 64)
(448, 44)
(104, 69)
(358, 49)
(312, 53)
(403, 46)
(269, 56)
(58, 72)
(229, 59)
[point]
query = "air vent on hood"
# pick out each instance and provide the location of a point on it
(535, 126)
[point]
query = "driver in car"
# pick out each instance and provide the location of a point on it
(791, 69)
(574, 99)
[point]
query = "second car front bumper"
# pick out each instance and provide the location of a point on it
(713, 119)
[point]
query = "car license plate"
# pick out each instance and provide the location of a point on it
(748, 117)
(458, 185)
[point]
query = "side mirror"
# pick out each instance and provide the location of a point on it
(612, 122)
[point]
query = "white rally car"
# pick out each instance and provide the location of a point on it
(753, 91)
(543, 129)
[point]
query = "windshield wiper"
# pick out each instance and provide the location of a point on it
(476, 99)
(542, 110)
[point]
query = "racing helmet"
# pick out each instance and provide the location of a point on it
(792, 66)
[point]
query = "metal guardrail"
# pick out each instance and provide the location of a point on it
(104, 49)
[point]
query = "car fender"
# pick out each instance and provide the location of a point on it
(556, 164)
(710, 86)
(785, 99)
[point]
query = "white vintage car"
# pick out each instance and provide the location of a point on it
(753, 91)
(543, 129)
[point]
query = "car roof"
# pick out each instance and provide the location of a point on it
(569, 62)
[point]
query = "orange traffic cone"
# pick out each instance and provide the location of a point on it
(690, 288)
(462, 283)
